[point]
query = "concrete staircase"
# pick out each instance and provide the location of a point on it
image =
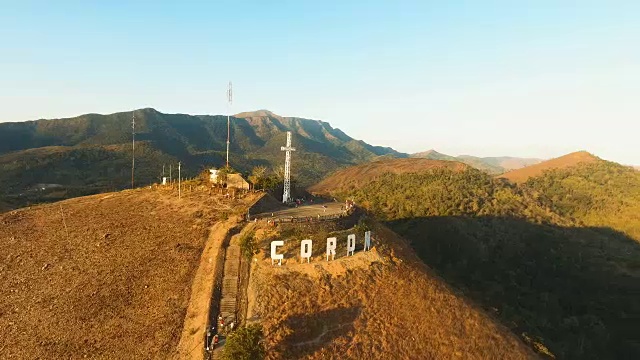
(228, 303)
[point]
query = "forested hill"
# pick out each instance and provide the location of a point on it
(598, 193)
(556, 259)
(92, 152)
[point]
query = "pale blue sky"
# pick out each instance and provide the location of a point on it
(537, 78)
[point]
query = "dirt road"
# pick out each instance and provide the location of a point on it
(322, 209)
(191, 344)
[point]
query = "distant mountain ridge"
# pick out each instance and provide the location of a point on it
(92, 152)
(562, 162)
(492, 165)
(205, 132)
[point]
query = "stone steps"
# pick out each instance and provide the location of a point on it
(230, 286)
(228, 303)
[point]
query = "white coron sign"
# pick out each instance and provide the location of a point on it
(351, 244)
(306, 248)
(274, 251)
(331, 247)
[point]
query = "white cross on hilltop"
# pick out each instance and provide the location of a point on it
(286, 195)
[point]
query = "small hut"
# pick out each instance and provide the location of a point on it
(213, 175)
(233, 180)
(237, 181)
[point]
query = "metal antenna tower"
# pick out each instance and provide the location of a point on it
(133, 146)
(230, 99)
(286, 195)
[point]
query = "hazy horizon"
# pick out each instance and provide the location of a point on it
(493, 79)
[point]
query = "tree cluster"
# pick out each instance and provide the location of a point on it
(526, 252)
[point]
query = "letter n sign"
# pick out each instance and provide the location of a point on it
(351, 244)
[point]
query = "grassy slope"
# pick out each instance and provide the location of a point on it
(352, 177)
(566, 161)
(548, 277)
(382, 304)
(104, 276)
(101, 167)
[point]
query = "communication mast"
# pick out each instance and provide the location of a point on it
(230, 99)
(133, 146)
(286, 194)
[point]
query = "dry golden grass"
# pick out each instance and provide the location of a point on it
(382, 304)
(103, 276)
(566, 161)
(355, 175)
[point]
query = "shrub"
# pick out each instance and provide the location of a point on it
(248, 245)
(244, 344)
(363, 225)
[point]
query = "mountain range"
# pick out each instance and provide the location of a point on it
(92, 153)
(492, 165)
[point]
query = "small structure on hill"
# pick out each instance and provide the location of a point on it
(235, 181)
(43, 187)
(213, 175)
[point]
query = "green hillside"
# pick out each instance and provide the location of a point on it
(602, 193)
(549, 278)
(92, 152)
(489, 165)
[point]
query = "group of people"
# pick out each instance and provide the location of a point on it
(302, 200)
(213, 338)
(222, 324)
(349, 204)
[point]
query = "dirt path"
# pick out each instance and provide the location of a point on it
(229, 304)
(191, 344)
(322, 209)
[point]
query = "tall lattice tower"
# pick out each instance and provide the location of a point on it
(133, 146)
(230, 99)
(286, 195)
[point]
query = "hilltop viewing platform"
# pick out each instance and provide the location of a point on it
(322, 210)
